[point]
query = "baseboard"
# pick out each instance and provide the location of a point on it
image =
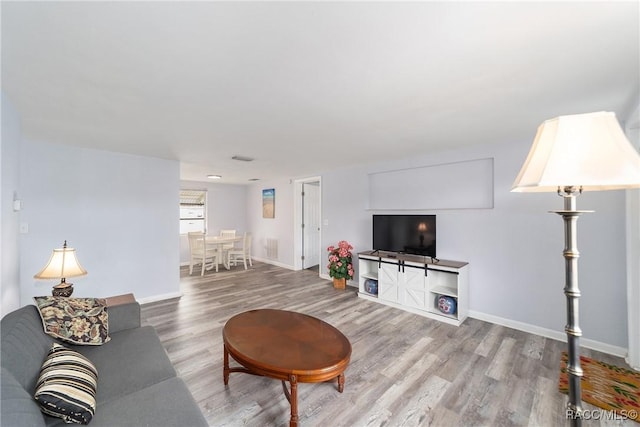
(272, 262)
(548, 333)
(162, 297)
(264, 260)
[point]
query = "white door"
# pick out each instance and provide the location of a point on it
(311, 224)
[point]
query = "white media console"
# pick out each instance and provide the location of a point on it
(415, 283)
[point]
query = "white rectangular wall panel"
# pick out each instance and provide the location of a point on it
(459, 185)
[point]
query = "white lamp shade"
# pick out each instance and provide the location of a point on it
(583, 150)
(63, 263)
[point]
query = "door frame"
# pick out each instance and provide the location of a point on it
(632, 129)
(297, 221)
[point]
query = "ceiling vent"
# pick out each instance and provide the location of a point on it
(243, 158)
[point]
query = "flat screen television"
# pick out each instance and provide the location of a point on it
(409, 234)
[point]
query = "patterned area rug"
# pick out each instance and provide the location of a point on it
(606, 386)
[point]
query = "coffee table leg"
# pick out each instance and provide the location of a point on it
(294, 401)
(341, 383)
(225, 371)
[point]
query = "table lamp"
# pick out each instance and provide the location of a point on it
(62, 264)
(571, 154)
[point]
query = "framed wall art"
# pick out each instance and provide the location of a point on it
(269, 203)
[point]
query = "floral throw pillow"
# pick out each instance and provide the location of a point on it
(81, 321)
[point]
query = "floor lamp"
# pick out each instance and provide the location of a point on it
(571, 154)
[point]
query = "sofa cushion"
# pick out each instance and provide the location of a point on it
(166, 404)
(134, 359)
(123, 316)
(67, 385)
(18, 407)
(82, 321)
(24, 345)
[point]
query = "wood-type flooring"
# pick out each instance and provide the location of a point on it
(405, 370)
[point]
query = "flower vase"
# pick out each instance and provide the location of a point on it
(339, 283)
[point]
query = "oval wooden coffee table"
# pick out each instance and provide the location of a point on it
(287, 346)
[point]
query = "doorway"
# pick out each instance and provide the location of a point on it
(308, 221)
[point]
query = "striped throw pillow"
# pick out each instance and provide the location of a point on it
(67, 386)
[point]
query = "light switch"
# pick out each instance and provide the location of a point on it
(24, 227)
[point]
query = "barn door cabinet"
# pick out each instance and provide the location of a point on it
(417, 284)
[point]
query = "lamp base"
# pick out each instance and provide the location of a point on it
(64, 289)
(572, 293)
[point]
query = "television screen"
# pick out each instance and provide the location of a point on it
(411, 234)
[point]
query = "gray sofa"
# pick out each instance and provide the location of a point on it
(137, 384)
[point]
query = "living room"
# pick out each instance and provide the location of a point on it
(119, 209)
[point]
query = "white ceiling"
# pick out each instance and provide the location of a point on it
(306, 87)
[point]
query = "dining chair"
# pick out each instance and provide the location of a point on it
(243, 253)
(227, 233)
(200, 253)
(227, 246)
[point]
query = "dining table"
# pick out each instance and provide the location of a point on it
(218, 242)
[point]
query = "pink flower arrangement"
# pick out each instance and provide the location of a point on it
(340, 260)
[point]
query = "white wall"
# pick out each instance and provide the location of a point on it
(280, 227)
(9, 248)
(514, 249)
(121, 213)
(226, 209)
(345, 200)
